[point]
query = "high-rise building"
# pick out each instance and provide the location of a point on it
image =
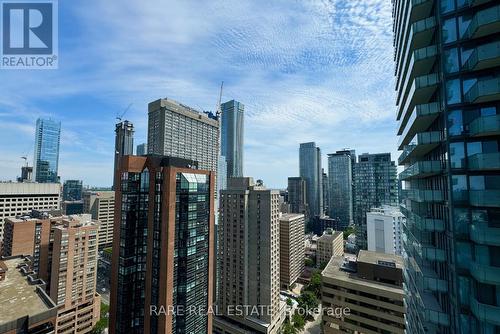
(384, 227)
(363, 295)
(331, 243)
(326, 194)
(124, 144)
(448, 112)
(292, 248)
(177, 130)
(232, 127)
(24, 304)
(340, 186)
(72, 190)
(101, 206)
(297, 196)
(142, 149)
(163, 247)
(20, 198)
(26, 174)
(310, 170)
(73, 274)
(249, 251)
(46, 160)
(375, 185)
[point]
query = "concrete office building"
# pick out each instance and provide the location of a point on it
(164, 242)
(341, 186)
(292, 248)
(177, 130)
(101, 205)
(26, 174)
(46, 157)
(371, 288)
(375, 185)
(330, 244)
(249, 251)
(384, 230)
(20, 198)
(297, 196)
(72, 190)
(24, 305)
(447, 96)
(232, 129)
(124, 144)
(142, 149)
(310, 170)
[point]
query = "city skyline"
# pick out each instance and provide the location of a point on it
(273, 80)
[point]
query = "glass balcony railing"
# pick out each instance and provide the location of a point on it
(432, 311)
(485, 126)
(485, 22)
(422, 223)
(485, 274)
(484, 161)
(420, 196)
(420, 144)
(421, 116)
(484, 312)
(422, 169)
(484, 91)
(481, 233)
(484, 56)
(487, 198)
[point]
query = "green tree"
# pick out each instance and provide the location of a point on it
(307, 301)
(288, 328)
(314, 285)
(348, 231)
(289, 302)
(298, 321)
(102, 324)
(309, 262)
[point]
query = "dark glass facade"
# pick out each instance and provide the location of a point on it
(447, 56)
(46, 160)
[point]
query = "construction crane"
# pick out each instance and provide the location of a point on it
(119, 118)
(25, 160)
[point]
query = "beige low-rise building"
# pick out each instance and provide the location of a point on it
(101, 205)
(331, 243)
(292, 248)
(24, 305)
(363, 295)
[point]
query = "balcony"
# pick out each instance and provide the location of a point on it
(472, 3)
(433, 253)
(481, 233)
(484, 91)
(487, 198)
(484, 161)
(432, 281)
(485, 274)
(432, 310)
(485, 22)
(421, 196)
(485, 126)
(422, 169)
(484, 56)
(421, 63)
(420, 118)
(421, 144)
(422, 223)
(420, 92)
(484, 312)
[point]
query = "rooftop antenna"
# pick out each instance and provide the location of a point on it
(119, 118)
(218, 108)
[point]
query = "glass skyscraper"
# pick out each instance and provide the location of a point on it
(124, 143)
(340, 186)
(375, 185)
(310, 170)
(46, 160)
(232, 127)
(447, 57)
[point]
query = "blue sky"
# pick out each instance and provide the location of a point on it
(313, 70)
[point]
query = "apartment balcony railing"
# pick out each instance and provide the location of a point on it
(485, 126)
(485, 22)
(481, 233)
(432, 282)
(422, 223)
(420, 92)
(421, 196)
(484, 56)
(472, 3)
(433, 311)
(484, 91)
(421, 63)
(484, 312)
(487, 198)
(422, 169)
(422, 143)
(433, 253)
(484, 161)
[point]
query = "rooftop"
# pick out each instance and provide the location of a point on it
(291, 216)
(330, 236)
(18, 296)
(380, 258)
